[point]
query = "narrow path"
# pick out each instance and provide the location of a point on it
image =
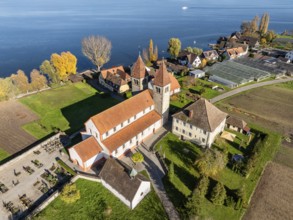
(245, 88)
(156, 173)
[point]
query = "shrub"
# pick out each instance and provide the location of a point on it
(202, 187)
(137, 157)
(171, 171)
(218, 194)
(70, 193)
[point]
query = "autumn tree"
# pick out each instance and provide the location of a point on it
(38, 81)
(137, 157)
(70, 62)
(20, 80)
(7, 89)
(70, 193)
(203, 63)
(211, 162)
(48, 69)
(151, 50)
(264, 23)
(218, 195)
(254, 24)
(174, 47)
(97, 49)
(245, 27)
(64, 64)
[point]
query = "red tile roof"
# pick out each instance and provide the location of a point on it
(112, 71)
(174, 83)
(138, 70)
(121, 112)
(162, 76)
(130, 131)
(88, 148)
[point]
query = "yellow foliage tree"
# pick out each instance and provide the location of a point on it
(71, 62)
(203, 63)
(20, 80)
(59, 64)
(65, 64)
(7, 89)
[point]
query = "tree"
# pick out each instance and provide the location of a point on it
(174, 47)
(70, 193)
(38, 81)
(194, 205)
(7, 89)
(64, 64)
(20, 80)
(211, 162)
(264, 23)
(203, 63)
(218, 195)
(70, 62)
(171, 171)
(254, 24)
(202, 187)
(48, 69)
(97, 49)
(151, 50)
(156, 53)
(137, 157)
(263, 41)
(242, 199)
(194, 50)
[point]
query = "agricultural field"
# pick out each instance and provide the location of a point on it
(273, 196)
(65, 108)
(270, 107)
(13, 115)
(96, 202)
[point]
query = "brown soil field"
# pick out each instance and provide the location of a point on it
(271, 107)
(12, 116)
(273, 197)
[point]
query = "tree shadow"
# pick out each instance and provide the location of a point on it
(78, 113)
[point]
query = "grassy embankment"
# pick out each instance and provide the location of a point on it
(65, 108)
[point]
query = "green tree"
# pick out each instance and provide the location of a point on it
(194, 205)
(137, 157)
(218, 195)
(7, 89)
(70, 193)
(211, 162)
(171, 171)
(202, 187)
(48, 69)
(197, 51)
(174, 47)
(20, 80)
(263, 41)
(97, 49)
(241, 194)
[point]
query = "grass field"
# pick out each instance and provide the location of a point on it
(65, 108)
(97, 202)
(184, 154)
(3, 154)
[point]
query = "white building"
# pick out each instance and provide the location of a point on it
(200, 123)
(289, 55)
(124, 183)
(237, 52)
(197, 73)
(117, 130)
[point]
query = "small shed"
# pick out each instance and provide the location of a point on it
(197, 73)
(237, 124)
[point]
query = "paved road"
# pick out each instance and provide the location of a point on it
(245, 88)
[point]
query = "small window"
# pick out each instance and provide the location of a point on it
(203, 140)
(158, 90)
(177, 120)
(184, 124)
(130, 141)
(204, 132)
(141, 194)
(107, 133)
(96, 135)
(123, 146)
(122, 125)
(128, 121)
(189, 134)
(176, 128)
(150, 107)
(114, 129)
(116, 151)
(195, 136)
(183, 131)
(90, 130)
(190, 126)
(144, 111)
(135, 117)
(142, 133)
(167, 89)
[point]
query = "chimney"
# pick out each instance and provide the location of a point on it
(190, 113)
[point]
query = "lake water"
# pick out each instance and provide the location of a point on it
(31, 30)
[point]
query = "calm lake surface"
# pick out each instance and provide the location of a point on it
(31, 30)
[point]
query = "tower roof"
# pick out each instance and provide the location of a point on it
(138, 69)
(162, 76)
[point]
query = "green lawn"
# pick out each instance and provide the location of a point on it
(65, 108)
(97, 202)
(184, 154)
(3, 154)
(284, 36)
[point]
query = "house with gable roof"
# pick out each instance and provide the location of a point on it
(117, 130)
(200, 123)
(115, 79)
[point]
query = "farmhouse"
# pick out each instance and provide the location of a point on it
(237, 124)
(252, 42)
(115, 79)
(200, 122)
(236, 52)
(189, 59)
(117, 130)
(289, 55)
(127, 185)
